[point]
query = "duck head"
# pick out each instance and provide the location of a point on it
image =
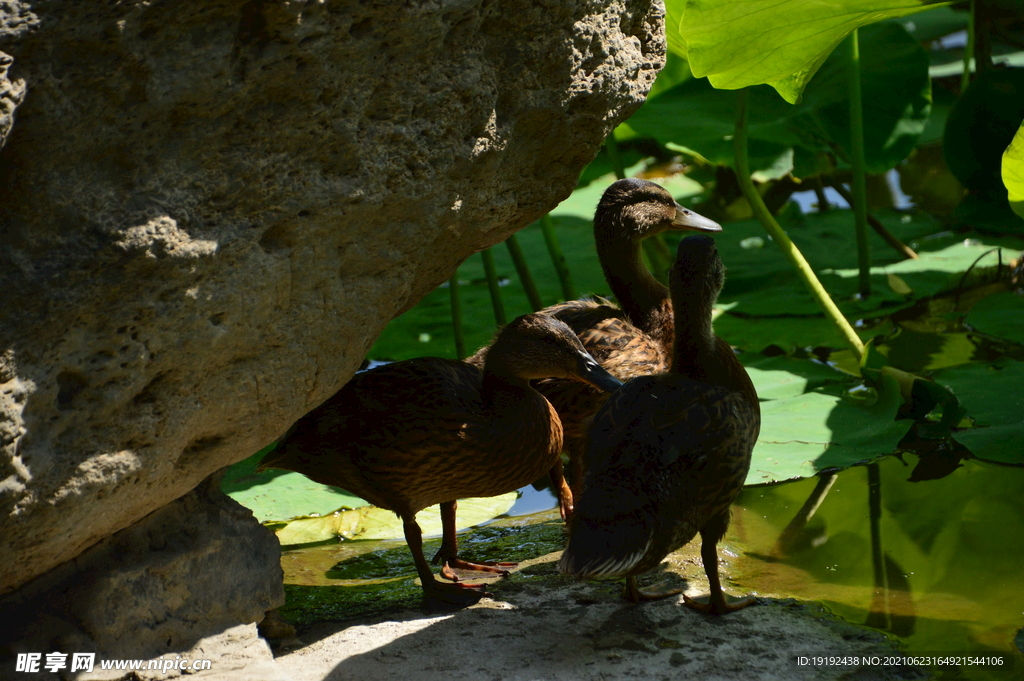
(644, 209)
(698, 274)
(538, 346)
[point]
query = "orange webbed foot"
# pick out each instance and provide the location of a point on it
(452, 564)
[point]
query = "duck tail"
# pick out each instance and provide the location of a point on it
(604, 548)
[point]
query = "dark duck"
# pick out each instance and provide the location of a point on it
(667, 454)
(634, 340)
(428, 431)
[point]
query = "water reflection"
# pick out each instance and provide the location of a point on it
(534, 499)
(935, 563)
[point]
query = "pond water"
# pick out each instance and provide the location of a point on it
(936, 563)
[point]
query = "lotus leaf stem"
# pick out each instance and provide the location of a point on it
(453, 294)
(529, 285)
(547, 226)
(491, 272)
(859, 182)
(789, 249)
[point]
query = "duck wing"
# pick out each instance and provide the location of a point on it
(607, 334)
(665, 421)
(388, 421)
(663, 454)
(622, 349)
(605, 330)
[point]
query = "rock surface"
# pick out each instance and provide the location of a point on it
(538, 638)
(189, 571)
(12, 93)
(541, 626)
(211, 209)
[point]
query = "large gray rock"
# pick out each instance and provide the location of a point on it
(191, 570)
(210, 210)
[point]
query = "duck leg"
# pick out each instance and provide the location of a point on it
(710, 535)
(457, 594)
(449, 551)
(562, 490)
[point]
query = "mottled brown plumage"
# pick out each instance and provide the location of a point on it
(428, 431)
(635, 340)
(667, 454)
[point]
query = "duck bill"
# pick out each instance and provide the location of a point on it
(592, 373)
(688, 219)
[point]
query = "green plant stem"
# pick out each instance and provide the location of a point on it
(788, 538)
(819, 192)
(982, 50)
(612, 146)
(879, 613)
(491, 272)
(965, 79)
(779, 235)
(453, 294)
(547, 227)
(519, 260)
(890, 238)
(859, 183)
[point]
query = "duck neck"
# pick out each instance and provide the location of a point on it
(701, 355)
(695, 346)
(642, 297)
(502, 387)
(512, 400)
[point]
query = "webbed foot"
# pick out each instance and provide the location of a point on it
(452, 564)
(718, 606)
(455, 594)
(632, 592)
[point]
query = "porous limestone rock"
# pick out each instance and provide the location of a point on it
(11, 95)
(191, 570)
(209, 210)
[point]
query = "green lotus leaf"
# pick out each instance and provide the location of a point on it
(280, 495)
(896, 90)
(994, 398)
(370, 522)
(696, 117)
(805, 434)
(999, 315)
(782, 376)
(781, 43)
(983, 123)
(1012, 170)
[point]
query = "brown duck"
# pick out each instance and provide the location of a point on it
(635, 340)
(428, 431)
(667, 454)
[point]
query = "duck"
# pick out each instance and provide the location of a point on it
(429, 430)
(667, 454)
(632, 340)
